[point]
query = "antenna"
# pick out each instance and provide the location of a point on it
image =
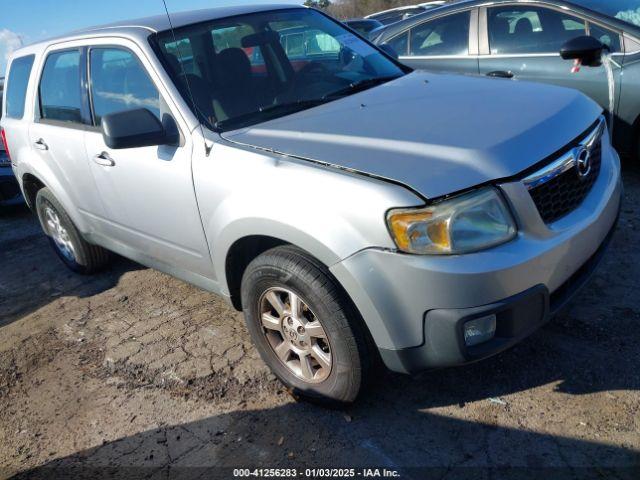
(207, 149)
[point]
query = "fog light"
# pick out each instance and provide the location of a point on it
(479, 330)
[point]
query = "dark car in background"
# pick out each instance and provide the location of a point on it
(363, 26)
(9, 189)
(522, 40)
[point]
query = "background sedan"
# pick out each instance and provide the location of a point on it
(522, 40)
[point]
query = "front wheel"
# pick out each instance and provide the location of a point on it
(304, 327)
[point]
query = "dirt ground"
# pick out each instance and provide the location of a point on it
(134, 370)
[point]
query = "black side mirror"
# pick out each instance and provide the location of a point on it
(134, 129)
(389, 50)
(588, 50)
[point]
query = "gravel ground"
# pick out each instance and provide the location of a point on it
(136, 370)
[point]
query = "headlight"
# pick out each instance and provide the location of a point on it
(467, 223)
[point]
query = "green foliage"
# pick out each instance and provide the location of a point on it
(342, 9)
(320, 4)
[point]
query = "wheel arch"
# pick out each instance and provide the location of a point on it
(34, 179)
(31, 184)
(241, 253)
(250, 240)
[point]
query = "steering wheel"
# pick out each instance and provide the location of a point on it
(312, 73)
(312, 68)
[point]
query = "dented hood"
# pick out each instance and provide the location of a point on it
(434, 133)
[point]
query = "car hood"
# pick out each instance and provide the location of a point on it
(435, 133)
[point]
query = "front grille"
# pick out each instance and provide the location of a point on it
(564, 193)
(559, 189)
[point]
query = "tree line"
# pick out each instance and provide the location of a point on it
(343, 9)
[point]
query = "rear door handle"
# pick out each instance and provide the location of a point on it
(41, 145)
(104, 159)
(500, 74)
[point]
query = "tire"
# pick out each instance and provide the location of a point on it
(287, 270)
(74, 251)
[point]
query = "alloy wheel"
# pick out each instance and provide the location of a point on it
(59, 234)
(295, 335)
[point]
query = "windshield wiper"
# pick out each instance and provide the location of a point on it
(360, 86)
(269, 111)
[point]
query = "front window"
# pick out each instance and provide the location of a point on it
(119, 83)
(606, 36)
(251, 68)
(524, 30)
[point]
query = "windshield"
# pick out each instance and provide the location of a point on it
(625, 10)
(251, 68)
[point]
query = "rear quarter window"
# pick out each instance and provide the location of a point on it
(16, 85)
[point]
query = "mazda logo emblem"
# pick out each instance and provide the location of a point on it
(583, 162)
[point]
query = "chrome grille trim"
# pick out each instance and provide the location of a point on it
(566, 161)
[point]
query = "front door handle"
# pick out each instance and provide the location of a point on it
(104, 159)
(500, 74)
(41, 145)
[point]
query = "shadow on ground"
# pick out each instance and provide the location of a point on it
(32, 275)
(303, 436)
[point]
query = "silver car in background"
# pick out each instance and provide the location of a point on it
(353, 209)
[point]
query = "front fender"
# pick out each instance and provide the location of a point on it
(328, 213)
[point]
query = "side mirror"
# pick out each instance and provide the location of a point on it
(134, 129)
(389, 50)
(587, 50)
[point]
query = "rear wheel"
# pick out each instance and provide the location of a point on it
(75, 252)
(304, 327)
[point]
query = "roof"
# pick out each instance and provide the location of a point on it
(159, 23)
(395, 9)
(140, 28)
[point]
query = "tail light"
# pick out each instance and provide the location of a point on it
(4, 142)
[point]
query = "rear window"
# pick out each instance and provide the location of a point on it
(16, 85)
(60, 91)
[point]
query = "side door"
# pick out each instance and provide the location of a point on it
(57, 133)
(524, 41)
(447, 43)
(148, 196)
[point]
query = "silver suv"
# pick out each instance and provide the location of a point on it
(352, 209)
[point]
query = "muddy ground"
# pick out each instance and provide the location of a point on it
(135, 370)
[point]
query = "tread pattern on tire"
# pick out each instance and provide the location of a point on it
(292, 259)
(93, 258)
